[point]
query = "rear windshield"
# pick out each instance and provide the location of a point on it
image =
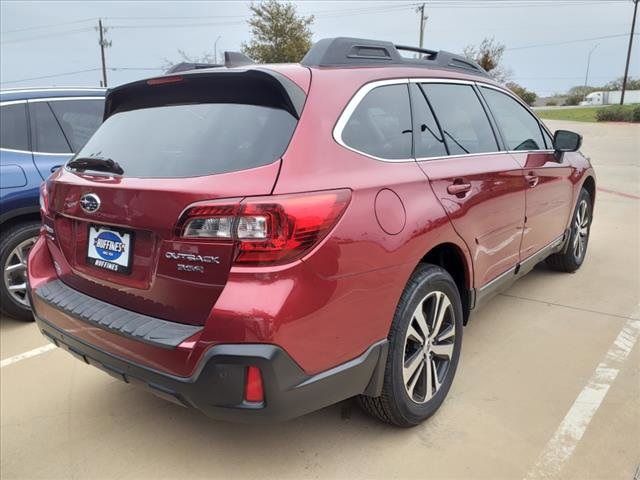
(193, 139)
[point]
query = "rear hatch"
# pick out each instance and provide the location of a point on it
(178, 140)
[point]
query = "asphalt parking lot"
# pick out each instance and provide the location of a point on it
(549, 386)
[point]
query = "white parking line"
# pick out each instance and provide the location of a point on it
(572, 428)
(22, 356)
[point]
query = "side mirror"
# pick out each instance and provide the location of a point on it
(566, 141)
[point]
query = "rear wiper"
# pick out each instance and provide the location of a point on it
(97, 164)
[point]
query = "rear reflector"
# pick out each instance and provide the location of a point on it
(267, 230)
(253, 389)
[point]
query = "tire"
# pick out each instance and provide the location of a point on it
(399, 404)
(20, 237)
(573, 255)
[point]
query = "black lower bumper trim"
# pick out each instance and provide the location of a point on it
(155, 331)
(217, 386)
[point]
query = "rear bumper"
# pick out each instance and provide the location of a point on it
(216, 386)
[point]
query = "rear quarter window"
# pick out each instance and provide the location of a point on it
(13, 127)
(381, 124)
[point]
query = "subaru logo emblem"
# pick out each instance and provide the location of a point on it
(90, 202)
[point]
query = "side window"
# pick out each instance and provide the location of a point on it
(381, 123)
(78, 119)
(464, 122)
(427, 136)
(13, 127)
(520, 129)
(46, 133)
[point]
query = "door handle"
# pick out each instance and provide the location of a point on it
(532, 180)
(459, 189)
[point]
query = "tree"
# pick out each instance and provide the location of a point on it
(527, 96)
(489, 55)
(632, 84)
(278, 33)
(206, 57)
(576, 94)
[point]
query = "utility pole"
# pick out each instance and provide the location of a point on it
(586, 76)
(626, 68)
(423, 22)
(104, 43)
(215, 50)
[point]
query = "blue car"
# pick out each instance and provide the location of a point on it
(40, 129)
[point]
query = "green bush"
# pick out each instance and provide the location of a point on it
(552, 103)
(573, 100)
(619, 113)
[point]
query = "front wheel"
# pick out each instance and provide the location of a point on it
(424, 348)
(14, 250)
(573, 255)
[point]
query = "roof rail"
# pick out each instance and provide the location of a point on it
(353, 52)
(231, 60)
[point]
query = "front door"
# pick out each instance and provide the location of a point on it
(481, 189)
(549, 189)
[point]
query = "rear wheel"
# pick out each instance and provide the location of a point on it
(424, 349)
(572, 257)
(14, 250)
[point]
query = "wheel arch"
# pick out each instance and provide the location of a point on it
(589, 184)
(451, 257)
(28, 215)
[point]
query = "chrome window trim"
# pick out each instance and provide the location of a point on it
(12, 102)
(68, 154)
(441, 80)
(60, 89)
(368, 87)
(345, 116)
(459, 155)
(61, 99)
(13, 150)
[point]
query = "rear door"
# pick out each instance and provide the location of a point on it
(481, 188)
(548, 186)
(179, 140)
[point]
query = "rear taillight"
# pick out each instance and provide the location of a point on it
(267, 230)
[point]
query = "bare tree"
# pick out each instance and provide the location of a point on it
(205, 57)
(488, 54)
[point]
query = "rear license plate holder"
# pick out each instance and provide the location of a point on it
(110, 248)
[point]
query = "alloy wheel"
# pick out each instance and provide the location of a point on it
(15, 272)
(581, 229)
(428, 347)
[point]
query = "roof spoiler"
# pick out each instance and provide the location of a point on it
(350, 52)
(231, 60)
(255, 86)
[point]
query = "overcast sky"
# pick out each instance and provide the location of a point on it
(43, 39)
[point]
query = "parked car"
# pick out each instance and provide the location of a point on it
(40, 128)
(261, 242)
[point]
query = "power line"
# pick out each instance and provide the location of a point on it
(47, 35)
(76, 72)
(48, 26)
(567, 42)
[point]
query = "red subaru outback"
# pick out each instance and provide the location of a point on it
(260, 241)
